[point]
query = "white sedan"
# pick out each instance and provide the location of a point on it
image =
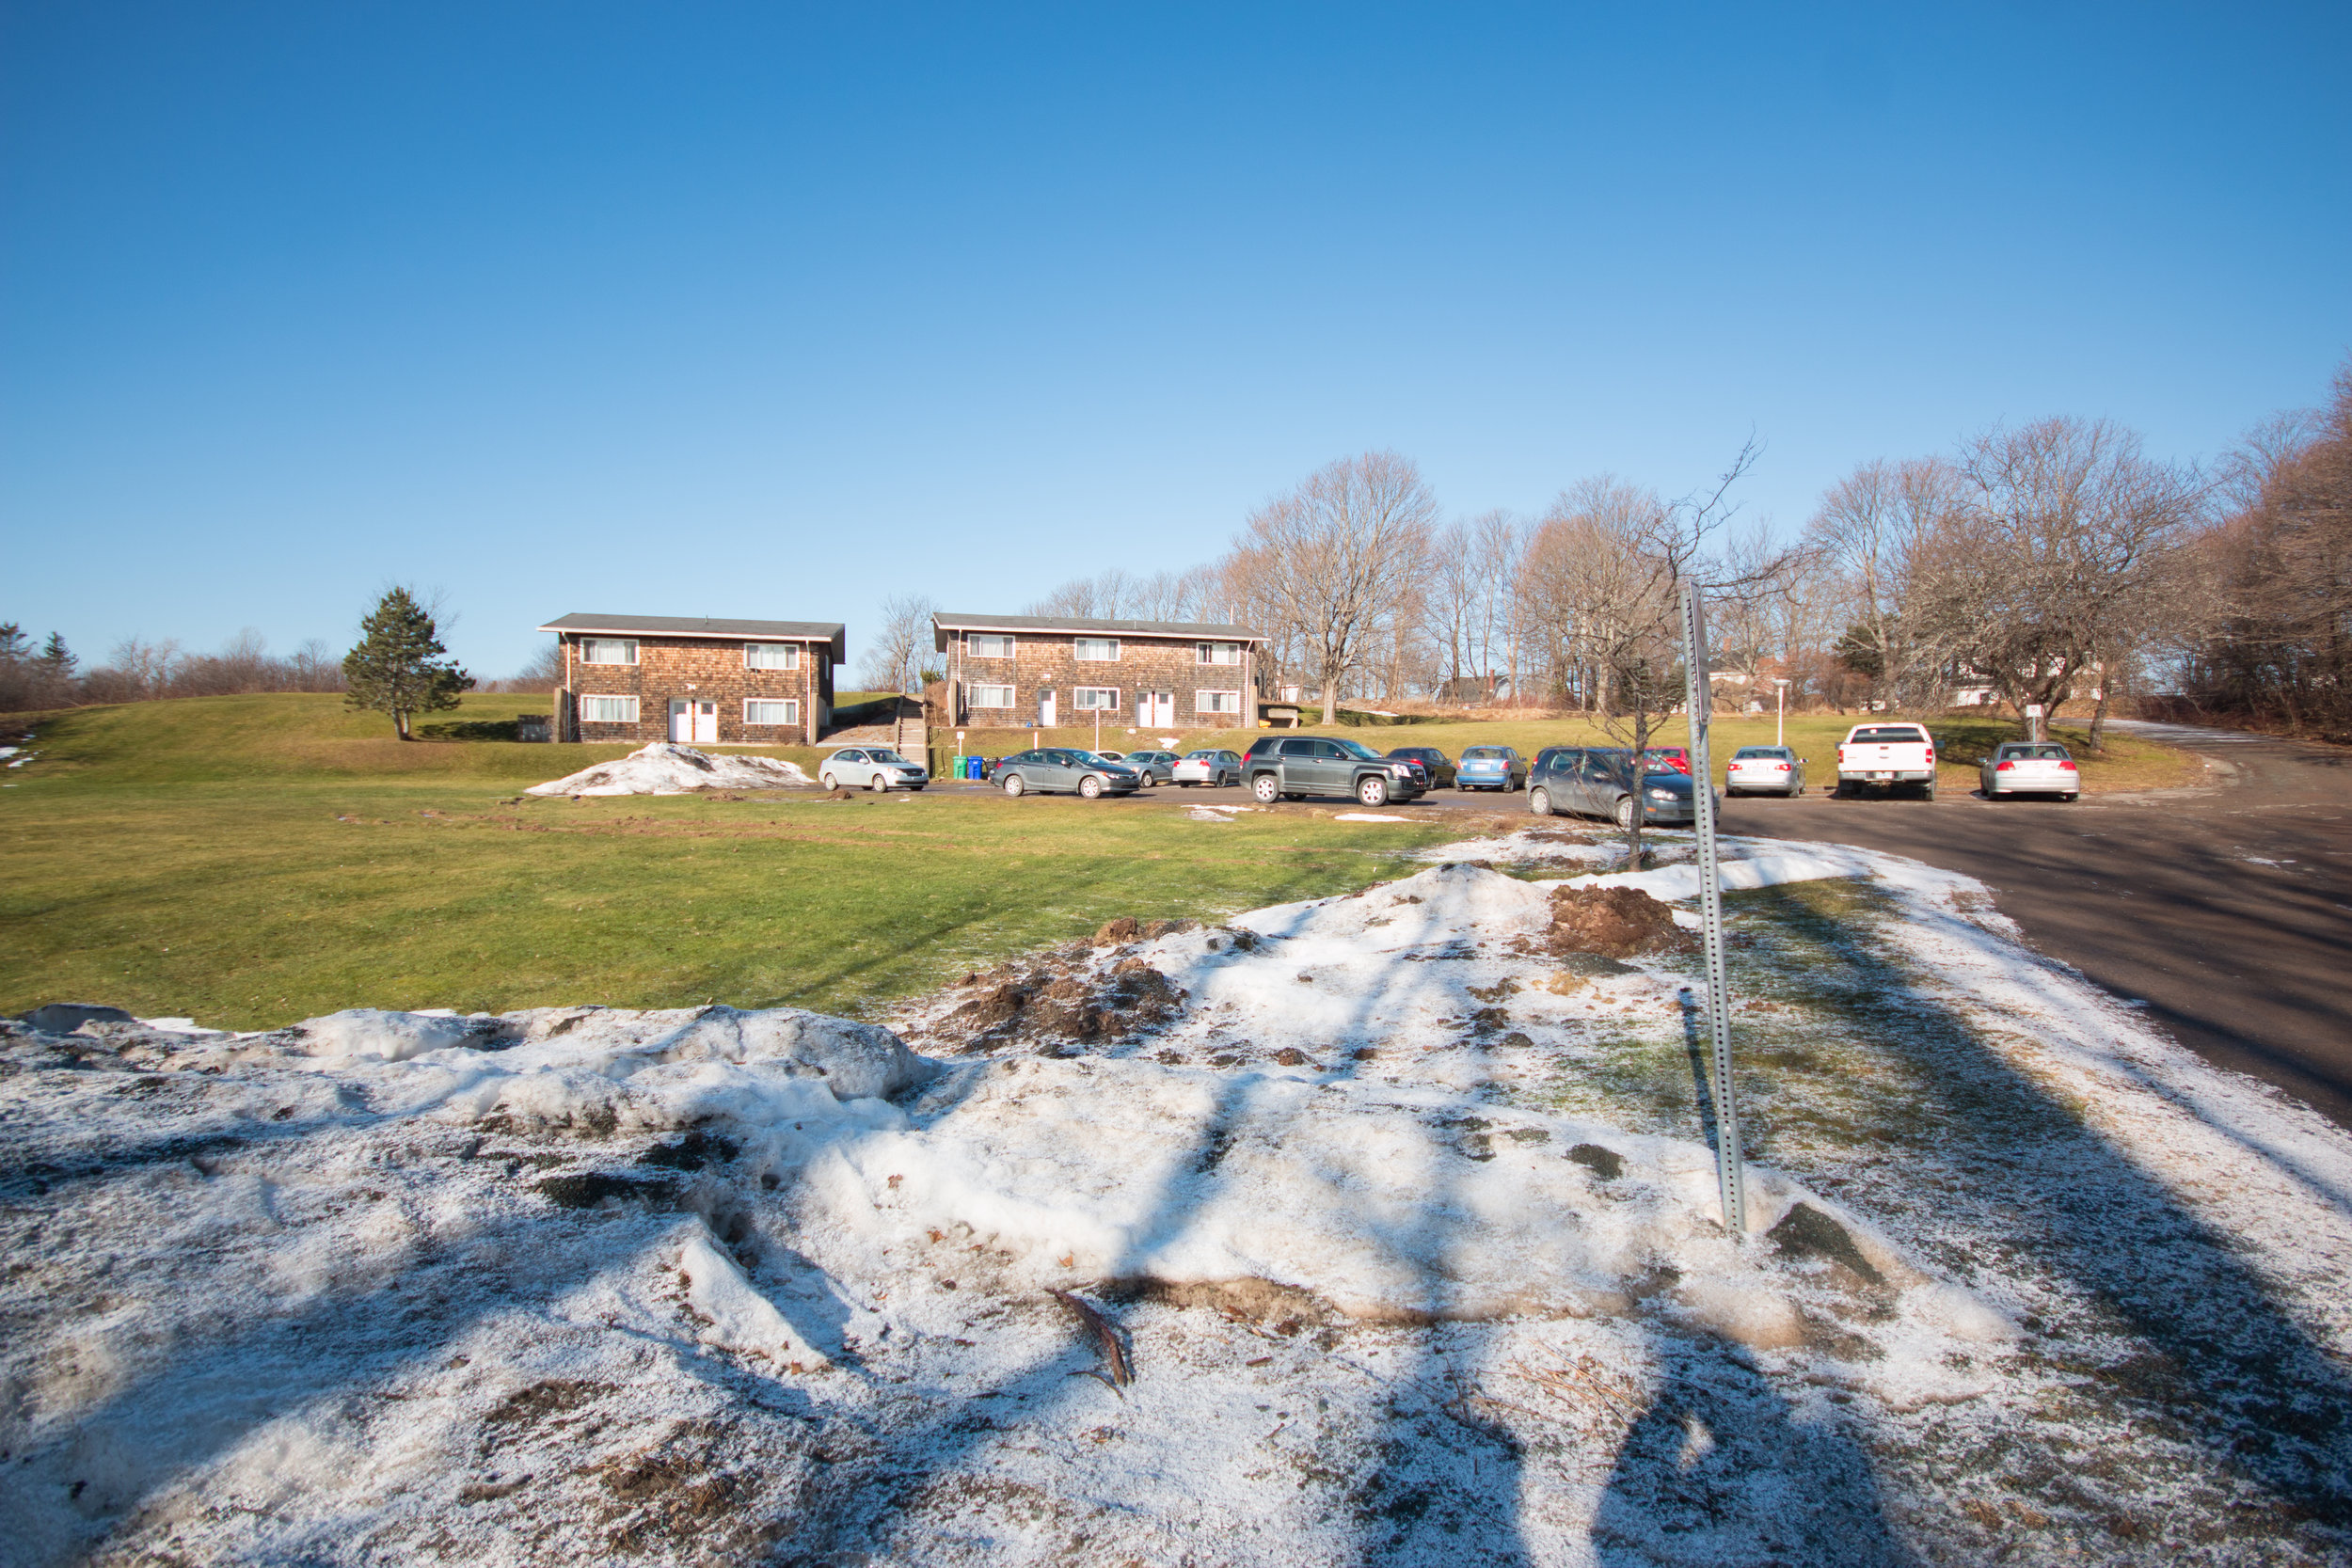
(2030, 767)
(1765, 770)
(870, 767)
(1208, 767)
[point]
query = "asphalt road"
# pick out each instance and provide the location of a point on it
(2225, 911)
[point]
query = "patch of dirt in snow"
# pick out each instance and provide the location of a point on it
(1411, 1256)
(1614, 922)
(665, 768)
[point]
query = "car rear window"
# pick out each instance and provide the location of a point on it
(1484, 754)
(1884, 735)
(1757, 752)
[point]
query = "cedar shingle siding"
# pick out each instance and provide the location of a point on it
(678, 661)
(1161, 657)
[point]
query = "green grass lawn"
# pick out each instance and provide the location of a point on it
(1961, 742)
(251, 861)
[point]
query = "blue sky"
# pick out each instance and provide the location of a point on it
(756, 311)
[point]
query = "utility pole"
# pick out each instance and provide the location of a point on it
(1780, 725)
(1699, 694)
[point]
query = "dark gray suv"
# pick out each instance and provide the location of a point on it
(1288, 767)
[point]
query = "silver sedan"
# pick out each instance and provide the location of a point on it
(2030, 767)
(1764, 771)
(1157, 767)
(870, 767)
(1209, 768)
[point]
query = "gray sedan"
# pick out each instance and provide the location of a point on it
(1601, 781)
(1157, 767)
(870, 767)
(1209, 767)
(1765, 770)
(1051, 768)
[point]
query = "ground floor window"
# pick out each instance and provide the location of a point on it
(1097, 699)
(608, 710)
(1216, 702)
(769, 710)
(991, 696)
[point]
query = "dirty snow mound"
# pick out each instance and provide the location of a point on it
(664, 768)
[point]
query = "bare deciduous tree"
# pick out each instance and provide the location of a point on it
(1872, 527)
(894, 661)
(1334, 561)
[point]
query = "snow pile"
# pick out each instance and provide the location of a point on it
(664, 768)
(729, 1284)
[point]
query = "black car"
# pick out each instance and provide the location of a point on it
(1437, 770)
(1602, 781)
(1286, 766)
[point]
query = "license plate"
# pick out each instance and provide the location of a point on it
(1881, 777)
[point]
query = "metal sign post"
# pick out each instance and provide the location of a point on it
(1700, 700)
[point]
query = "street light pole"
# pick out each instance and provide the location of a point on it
(1780, 724)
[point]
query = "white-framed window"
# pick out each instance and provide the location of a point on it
(992, 646)
(1216, 702)
(771, 656)
(1219, 653)
(608, 649)
(608, 710)
(771, 710)
(1097, 650)
(991, 696)
(1095, 699)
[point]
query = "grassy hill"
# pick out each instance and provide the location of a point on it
(251, 860)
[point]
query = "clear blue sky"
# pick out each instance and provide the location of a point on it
(749, 311)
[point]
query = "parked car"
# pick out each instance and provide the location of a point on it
(1157, 767)
(1765, 770)
(1602, 781)
(2030, 767)
(1208, 767)
(1888, 755)
(1669, 759)
(1051, 768)
(870, 767)
(1437, 771)
(1491, 767)
(1284, 767)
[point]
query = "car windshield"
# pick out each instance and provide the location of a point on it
(1485, 753)
(1358, 750)
(1890, 735)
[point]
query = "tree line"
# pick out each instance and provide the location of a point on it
(138, 670)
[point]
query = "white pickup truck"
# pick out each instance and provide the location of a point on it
(1888, 755)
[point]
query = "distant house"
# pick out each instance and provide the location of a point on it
(1017, 670)
(695, 681)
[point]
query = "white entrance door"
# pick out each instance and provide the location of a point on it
(1155, 709)
(707, 723)
(681, 721)
(1046, 710)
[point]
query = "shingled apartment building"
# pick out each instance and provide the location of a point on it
(695, 681)
(1017, 670)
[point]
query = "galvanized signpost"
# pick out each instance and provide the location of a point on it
(1700, 700)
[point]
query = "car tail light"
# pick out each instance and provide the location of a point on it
(2002, 767)
(2068, 767)
(1781, 766)
(1931, 753)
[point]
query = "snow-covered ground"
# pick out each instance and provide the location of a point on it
(663, 769)
(1406, 1228)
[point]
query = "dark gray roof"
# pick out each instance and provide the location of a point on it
(704, 626)
(947, 621)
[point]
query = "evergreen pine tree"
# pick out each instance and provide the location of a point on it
(398, 666)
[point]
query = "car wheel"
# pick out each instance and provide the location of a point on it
(1015, 785)
(1091, 786)
(1795, 790)
(1624, 811)
(827, 780)
(874, 781)
(1267, 787)
(2075, 798)
(1539, 801)
(1372, 791)
(1927, 791)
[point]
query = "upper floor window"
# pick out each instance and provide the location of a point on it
(990, 646)
(608, 649)
(771, 656)
(1097, 650)
(1220, 652)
